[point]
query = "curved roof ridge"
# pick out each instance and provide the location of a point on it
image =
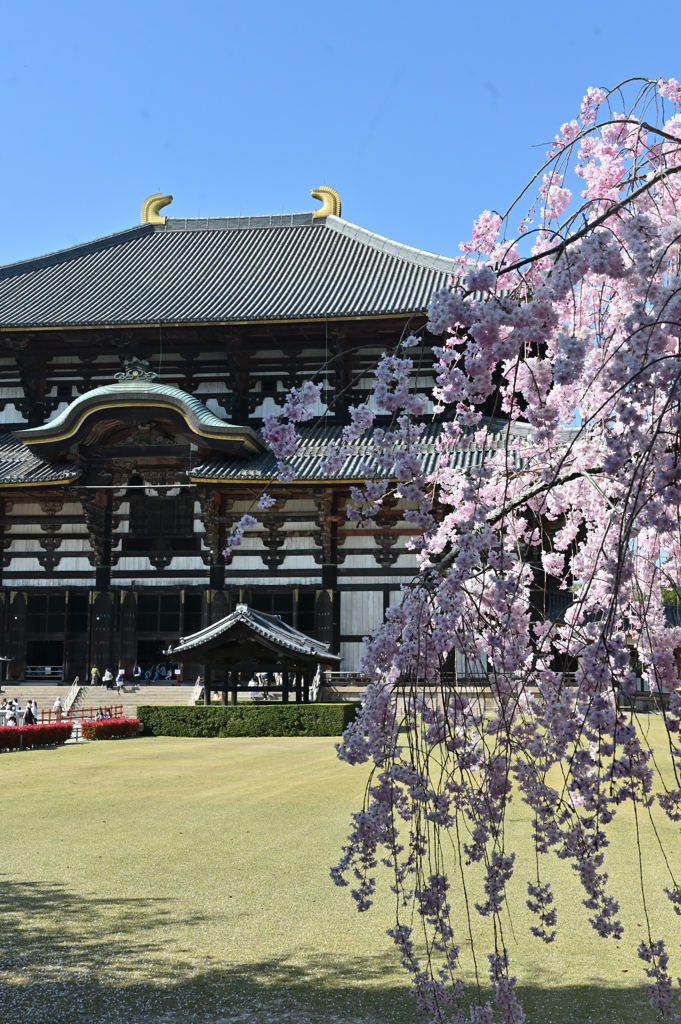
(422, 257)
(199, 418)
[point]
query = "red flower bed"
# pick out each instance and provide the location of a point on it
(13, 737)
(109, 728)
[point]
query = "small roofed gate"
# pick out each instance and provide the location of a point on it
(249, 641)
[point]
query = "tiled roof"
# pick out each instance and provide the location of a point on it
(268, 627)
(18, 465)
(227, 269)
(315, 446)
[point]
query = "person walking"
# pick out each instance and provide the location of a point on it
(58, 708)
(108, 679)
(95, 677)
(29, 718)
(137, 675)
(34, 708)
(120, 680)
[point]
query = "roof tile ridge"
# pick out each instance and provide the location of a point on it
(81, 249)
(240, 222)
(422, 257)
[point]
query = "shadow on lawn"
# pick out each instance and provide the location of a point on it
(68, 957)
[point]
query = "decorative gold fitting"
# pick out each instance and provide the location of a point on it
(330, 198)
(152, 205)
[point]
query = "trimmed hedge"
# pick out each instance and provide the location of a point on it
(110, 728)
(13, 737)
(247, 720)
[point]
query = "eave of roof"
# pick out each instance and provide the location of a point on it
(315, 446)
(268, 627)
(287, 268)
(19, 466)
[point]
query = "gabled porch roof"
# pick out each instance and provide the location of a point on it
(252, 638)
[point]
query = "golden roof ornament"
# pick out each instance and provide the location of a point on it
(152, 205)
(331, 200)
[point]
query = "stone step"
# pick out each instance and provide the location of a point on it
(44, 696)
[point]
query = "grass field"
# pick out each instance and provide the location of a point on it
(187, 880)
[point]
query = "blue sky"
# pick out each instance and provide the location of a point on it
(419, 114)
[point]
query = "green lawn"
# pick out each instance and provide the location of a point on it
(186, 879)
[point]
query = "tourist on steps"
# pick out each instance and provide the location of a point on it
(108, 679)
(58, 708)
(120, 680)
(95, 677)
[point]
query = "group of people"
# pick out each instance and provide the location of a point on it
(12, 710)
(96, 678)
(103, 713)
(153, 674)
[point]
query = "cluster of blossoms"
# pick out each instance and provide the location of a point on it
(549, 541)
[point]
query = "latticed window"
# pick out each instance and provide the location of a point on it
(283, 605)
(158, 613)
(45, 613)
(157, 523)
(164, 517)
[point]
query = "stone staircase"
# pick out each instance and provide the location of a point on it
(81, 700)
(132, 695)
(43, 694)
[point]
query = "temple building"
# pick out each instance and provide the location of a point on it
(134, 374)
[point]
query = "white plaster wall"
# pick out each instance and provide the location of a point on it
(71, 563)
(216, 409)
(299, 562)
(135, 563)
(371, 581)
(286, 583)
(10, 414)
(242, 563)
(186, 562)
(211, 387)
(299, 543)
(351, 655)
(360, 611)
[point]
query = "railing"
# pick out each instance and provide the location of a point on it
(61, 716)
(90, 713)
(344, 679)
(316, 684)
(71, 696)
(44, 672)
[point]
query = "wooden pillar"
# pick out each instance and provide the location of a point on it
(223, 691)
(17, 636)
(234, 687)
(299, 687)
(206, 685)
(285, 685)
(306, 685)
